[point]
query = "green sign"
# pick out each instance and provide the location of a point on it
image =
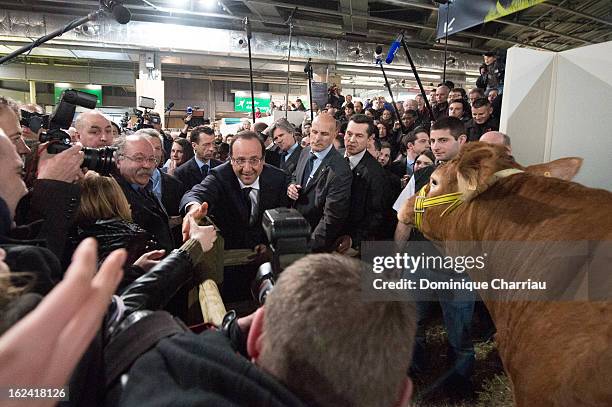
(95, 90)
(243, 103)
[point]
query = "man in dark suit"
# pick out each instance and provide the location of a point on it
(321, 186)
(167, 189)
(136, 162)
(369, 183)
(412, 145)
(195, 170)
(237, 193)
(286, 151)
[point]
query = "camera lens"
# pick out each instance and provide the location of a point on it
(100, 160)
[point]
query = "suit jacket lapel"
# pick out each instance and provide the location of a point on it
(361, 165)
(299, 170)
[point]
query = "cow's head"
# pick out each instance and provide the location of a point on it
(474, 170)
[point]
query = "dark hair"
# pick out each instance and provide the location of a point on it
(456, 126)
(385, 144)
(410, 138)
(362, 118)
(378, 144)
(259, 127)
(187, 148)
(371, 111)
(223, 148)
(477, 90)
(480, 102)
(350, 106)
(460, 90)
(196, 131)
(427, 152)
(464, 103)
(247, 135)
(411, 113)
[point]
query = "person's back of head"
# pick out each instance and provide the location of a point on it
(330, 347)
(102, 199)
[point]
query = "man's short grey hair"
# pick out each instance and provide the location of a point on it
(282, 124)
(151, 133)
(121, 142)
(10, 104)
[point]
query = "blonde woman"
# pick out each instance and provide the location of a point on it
(104, 213)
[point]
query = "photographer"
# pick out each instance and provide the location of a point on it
(334, 97)
(359, 356)
(48, 210)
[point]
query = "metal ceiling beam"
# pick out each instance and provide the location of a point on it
(499, 20)
(393, 23)
(382, 21)
(577, 13)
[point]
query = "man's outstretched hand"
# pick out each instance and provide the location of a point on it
(196, 212)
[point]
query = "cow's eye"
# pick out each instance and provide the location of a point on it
(434, 182)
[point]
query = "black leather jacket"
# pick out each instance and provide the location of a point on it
(112, 234)
(153, 290)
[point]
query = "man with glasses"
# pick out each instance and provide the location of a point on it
(237, 193)
(136, 162)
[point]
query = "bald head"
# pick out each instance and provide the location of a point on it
(497, 137)
(323, 132)
(93, 129)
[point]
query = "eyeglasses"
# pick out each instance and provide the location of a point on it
(141, 160)
(242, 161)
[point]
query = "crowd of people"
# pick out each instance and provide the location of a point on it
(346, 172)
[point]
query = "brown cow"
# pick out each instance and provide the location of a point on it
(555, 353)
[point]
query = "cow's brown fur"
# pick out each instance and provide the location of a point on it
(555, 353)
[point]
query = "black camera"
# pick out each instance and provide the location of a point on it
(289, 235)
(100, 160)
(146, 119)
(34, 121)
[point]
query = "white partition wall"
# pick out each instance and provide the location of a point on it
(559, 105)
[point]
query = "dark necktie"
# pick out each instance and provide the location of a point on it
(283, 155)
(246, 195)
(308, 169)
(204, 170)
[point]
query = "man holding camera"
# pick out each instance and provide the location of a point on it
(315, 342)
(48, 210)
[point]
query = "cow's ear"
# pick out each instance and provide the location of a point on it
(563, 168)
(474, 169)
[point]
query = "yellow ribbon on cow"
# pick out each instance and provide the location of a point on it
(421, 202)
(454, 199)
